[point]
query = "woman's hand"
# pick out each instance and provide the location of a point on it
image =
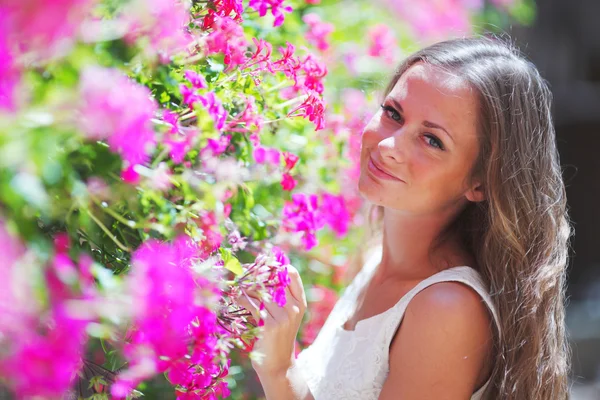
(281, 324)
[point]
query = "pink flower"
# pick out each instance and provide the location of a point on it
(335, 213)
(276, 6)
(227, 38)
(314, 74)
(215, 109)
(312, 108)
(10, 75)
(166, 295)
(288, 182)
(164, 22)
(43, 26)
(290, 160)
(197, 80)
(189, 96)
(215, 147)
(250, 120)
(382, 43)
(118, 110)
(179, 140)
(266, 155)
(312, 1)
(302, 215)
(223, 8)
(434, 20)
(43, 365)
(318, 31)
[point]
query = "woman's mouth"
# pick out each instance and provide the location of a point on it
(379, 172)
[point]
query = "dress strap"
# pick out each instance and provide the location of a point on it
(464, 274)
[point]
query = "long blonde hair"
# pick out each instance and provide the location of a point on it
(520, 235)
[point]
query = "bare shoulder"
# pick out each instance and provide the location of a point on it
(442, 345)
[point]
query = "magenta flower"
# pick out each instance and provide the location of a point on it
(118, 110)
(215, 109)
(382, 43)
(163, 22)
(42, 26)
(335, 213)
(10, 75)
(44, 365)
(266, 155)
(179, 140)
(318, 31)
(312, 108)
(276, 6)
(223, 8)
(314, 74)
(249, 120)
(290, 160)
(303, 215)
(171, 319)
(215, 147)
(227, 38)
(288, 182)
(197, 80)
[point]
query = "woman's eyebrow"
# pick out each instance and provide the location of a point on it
(427, 124)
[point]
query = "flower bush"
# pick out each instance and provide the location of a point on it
(160, 158)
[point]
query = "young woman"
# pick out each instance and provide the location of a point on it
(464, 296)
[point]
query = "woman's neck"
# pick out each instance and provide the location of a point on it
(407, 246)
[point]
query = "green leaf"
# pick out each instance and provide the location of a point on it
(231, 262)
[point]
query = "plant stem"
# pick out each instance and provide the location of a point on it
(108, 233)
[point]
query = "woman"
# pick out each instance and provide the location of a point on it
(464, 298)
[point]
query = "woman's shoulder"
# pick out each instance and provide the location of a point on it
(446, 331)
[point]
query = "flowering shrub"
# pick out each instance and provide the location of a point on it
(159, 159)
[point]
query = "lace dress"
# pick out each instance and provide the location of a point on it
(353, 365)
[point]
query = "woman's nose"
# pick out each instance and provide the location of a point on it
(393, 147)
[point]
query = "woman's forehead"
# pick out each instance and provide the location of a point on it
(445, 82)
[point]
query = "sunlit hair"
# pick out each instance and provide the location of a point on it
(520, 234)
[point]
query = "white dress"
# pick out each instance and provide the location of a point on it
(353, 365)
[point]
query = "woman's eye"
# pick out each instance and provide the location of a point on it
(434, 141)
(391, 113)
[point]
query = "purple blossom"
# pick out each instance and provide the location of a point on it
(176, 139)
(10, 75)
(169, 314)
(303, 215)
(44, 365)
(288, 182)
(335, 213)
(163, 22)
(276, 6)
(318, 31)
(119, 110)
(197, 80)
(227, 38)
(42, 26)
(215, 109)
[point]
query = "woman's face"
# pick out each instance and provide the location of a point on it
(419, 148)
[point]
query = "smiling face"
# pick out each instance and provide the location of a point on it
(419, 148)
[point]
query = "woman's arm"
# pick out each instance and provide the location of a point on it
(288, 385)
(441, 347)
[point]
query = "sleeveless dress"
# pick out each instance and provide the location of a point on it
(353, 365)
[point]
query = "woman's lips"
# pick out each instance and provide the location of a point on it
(380, 173)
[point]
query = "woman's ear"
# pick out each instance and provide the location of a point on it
(476, 193)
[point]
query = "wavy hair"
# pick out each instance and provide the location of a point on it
(520, 234)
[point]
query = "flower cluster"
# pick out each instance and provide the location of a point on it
(152, 152)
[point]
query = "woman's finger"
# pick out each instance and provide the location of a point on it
(296, 287)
